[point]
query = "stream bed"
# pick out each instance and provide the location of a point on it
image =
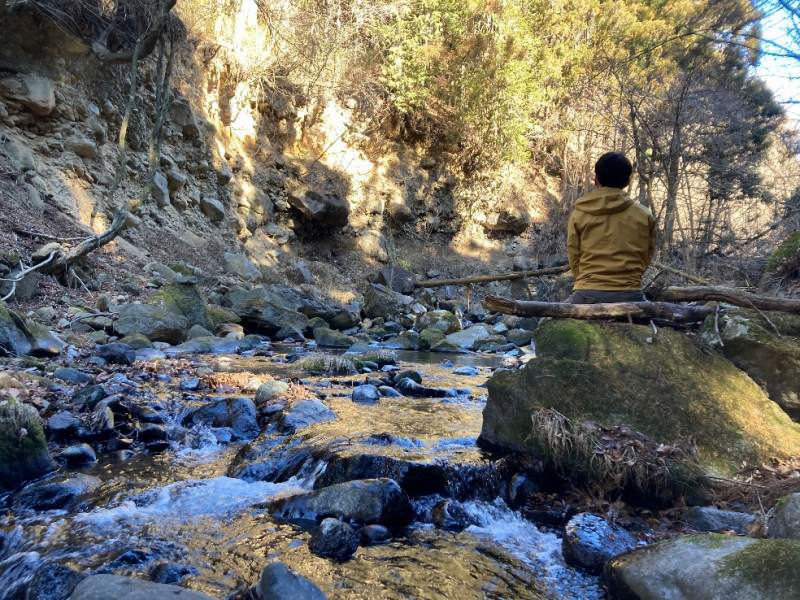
(197, 513)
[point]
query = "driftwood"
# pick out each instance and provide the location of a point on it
(636, 311)
(432, 283)
(729, 296)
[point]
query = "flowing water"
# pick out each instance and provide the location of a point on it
(186, 507)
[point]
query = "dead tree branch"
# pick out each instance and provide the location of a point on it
(637, 311)
(729, 296)
(24, 273)
(432, 283)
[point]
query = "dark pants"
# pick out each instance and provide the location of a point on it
(599, 297)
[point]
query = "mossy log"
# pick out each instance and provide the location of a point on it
(635, 311)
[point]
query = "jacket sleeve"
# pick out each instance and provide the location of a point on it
(573, 246)
(651, 251)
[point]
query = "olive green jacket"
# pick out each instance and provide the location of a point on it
(610, 241)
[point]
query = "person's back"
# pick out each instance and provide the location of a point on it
(611, 238)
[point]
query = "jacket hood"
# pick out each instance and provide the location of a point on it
(604, 201)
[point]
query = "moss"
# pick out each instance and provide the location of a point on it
(184, 299)
(770, 566)
(218, 315)
(669, 390)
(23, 446)
(786, 257)
(137, 341)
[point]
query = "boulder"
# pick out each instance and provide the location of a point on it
(182, 115)
(397, 279)
(106, 587)
(277, 582)
(82, 145)
(242, 266)
(19, 337)
(18, 153)
(441, 320)
(334, 539)
(707, 567)
(784, 519)
(380, 301)
(156, 323)
(710, 519)
(366, 394)
(212, 208)
(183, 298)
(72, 375)
(237, 413)
(270, 390)
(617, 374)
(53, 581)
(34, 92)
(750, 341)
(43, 341)
(330, 338)
(321, 209)
(160, 190)
(265, 312)
(589, 541)
(23, 446)
(507, 221)
(56, 495)
(362, 501)
(304, 414)
(78, 455)
(116, 353)
(470, 338)
(407, 340)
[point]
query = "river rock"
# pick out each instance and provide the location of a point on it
(116, 353)
(237, 413)
(277, 582)
(330, 338)
(34, 92)
(366, 394)
(154, 322)
(771, 358)
(363, 501)
(408, 387)
(710, 519)
(108, 587)
(78, 455)
(53, 582)
(20, 337)
(304, 414)
(784, 519)
(707, 567)
(470, 338)
(182, 297)
(334, 539)
(49, 495)
(23, 446)
(171, 573)
(89, 396)
(64, 425)
(519, 337)
(441, 320)
(270, 390)
(607, 374)
(266, 312)
(374, 535)
(71, 375)
(589, 541)
(380, 301)
(397, 279)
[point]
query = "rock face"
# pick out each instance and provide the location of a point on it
(589, 541)
(279, 583)
(34, 92)
(362, 501)
(772, 360)
(707, 567)
(23, 446)
(784, 522)
(105, 587)
(668, 390)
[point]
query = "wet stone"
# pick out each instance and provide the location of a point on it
(373, 535)
(334, 539)
(97, 587)
(450, 515)
(366, 394)
(277, 582)
(306, 413)
(171, 573)
(152, 433)
(78, 455)
(53, 582)
(56, 495)
(708, 518)
(589, 541)
(71, 375)
(89, 396)
(64, 425)
(117, 353)
(389, 392)
(190, 384)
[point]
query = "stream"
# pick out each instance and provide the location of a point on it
(199, 510)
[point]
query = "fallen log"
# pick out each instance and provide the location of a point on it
(636, 311)
(431, 283)
(727, 295)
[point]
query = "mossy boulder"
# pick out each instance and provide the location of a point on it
(20, 337)
(219, 315)
(766, 346)
(23, 446)
(707, 567)
(664, 386)
(442, 320)
(156, 323)
(183, 298)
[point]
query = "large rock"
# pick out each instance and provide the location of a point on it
(237, 413)
(470, 338)
(183, 298)
(440, 320)
(363, 501)
(330, 338)
(34, 92)
(55, 495)
(334, 539)
(264, 311)
(114, 587)
(784, 521)
(666, 388)
(242, 266)
(507, 221)
(707, 567)
(589, 541)
(156, 323)
(710, 519)
(750, 341)
(19, 337)
(212, 208)
(279, 583)
(23, 446)
(321, 209)
(397, 279)
(380, 301)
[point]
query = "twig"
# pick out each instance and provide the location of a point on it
(75, 275)
(22, 274)
(46, 236)
(716, 327)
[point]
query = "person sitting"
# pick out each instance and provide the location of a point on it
(611, 238)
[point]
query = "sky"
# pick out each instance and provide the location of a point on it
(781, 74)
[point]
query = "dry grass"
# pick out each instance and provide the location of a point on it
(615, 457)
(326, 364)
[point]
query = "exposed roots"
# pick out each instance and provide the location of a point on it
(615, 457)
